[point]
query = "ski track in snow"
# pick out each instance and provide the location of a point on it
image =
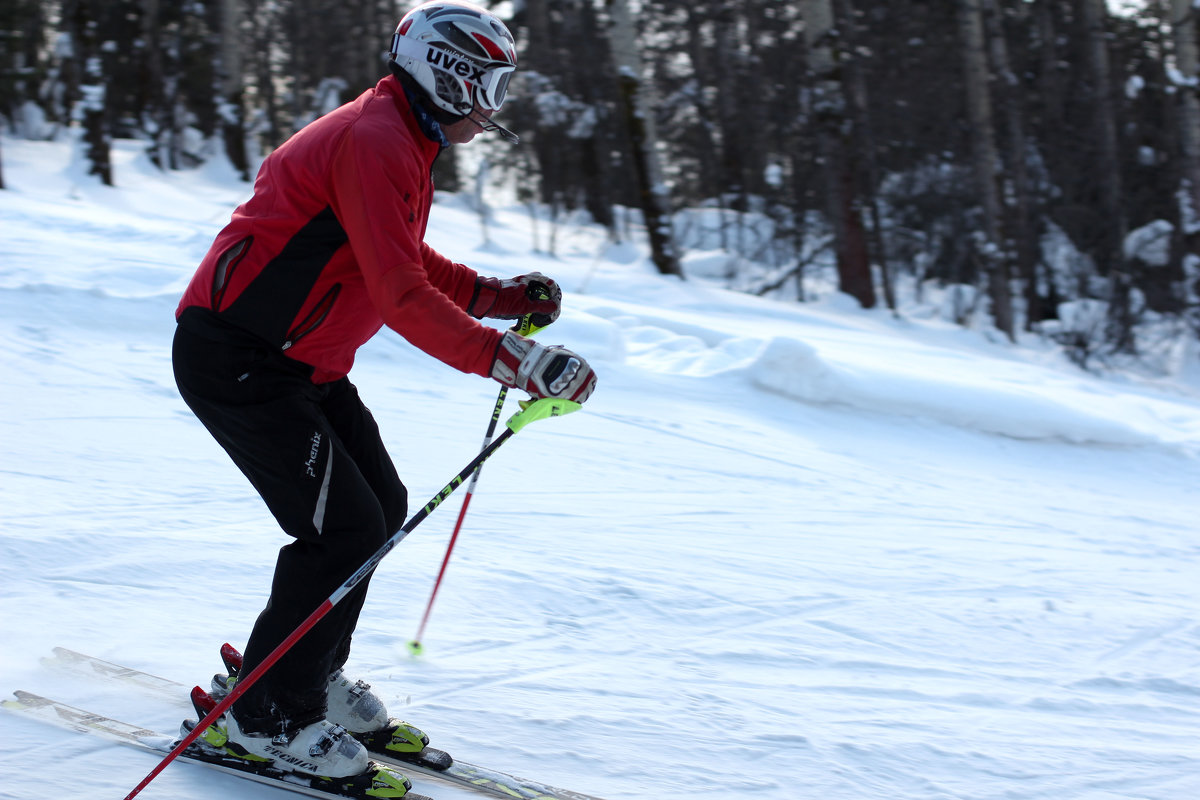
(787, 551)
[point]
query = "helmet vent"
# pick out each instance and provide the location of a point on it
(461, 40)
(449, 89)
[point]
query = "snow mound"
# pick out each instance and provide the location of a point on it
(662, 350)
(886, 369)
(986, 399)
(1022, 411)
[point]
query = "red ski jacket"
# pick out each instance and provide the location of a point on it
(330, 247)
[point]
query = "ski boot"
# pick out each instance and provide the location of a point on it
(353, 706)
(321, 755)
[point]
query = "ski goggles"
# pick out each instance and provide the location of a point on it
(489, 79)
(495, 88)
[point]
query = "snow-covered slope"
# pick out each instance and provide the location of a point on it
(786, 551)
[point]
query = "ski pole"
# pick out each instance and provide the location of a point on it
(525, 328)
(415, 646)
(531, 411)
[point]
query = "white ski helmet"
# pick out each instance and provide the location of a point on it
(459, 54)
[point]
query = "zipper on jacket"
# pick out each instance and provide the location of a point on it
(315, 317)
(226, 264)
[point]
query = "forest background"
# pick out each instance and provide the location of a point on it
(1034, 162)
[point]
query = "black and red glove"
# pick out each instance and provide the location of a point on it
(533, 294)
(542, 371)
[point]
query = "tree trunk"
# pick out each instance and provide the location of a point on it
(1020, 229)
(596, 160)
(706, 147)
(161, 150)
(1094, 14)
(866, 147)
(1183, 32)
(230, 72)
(639, 118)
(985, 161)
(539, 56)
(726, 58)
(828, 110)
(264, 21)
(91, 102)
(1110, 254)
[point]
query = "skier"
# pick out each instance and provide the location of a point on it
(327, 251)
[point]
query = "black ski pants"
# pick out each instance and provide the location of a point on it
(314, 454)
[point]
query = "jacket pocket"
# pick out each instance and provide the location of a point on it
(314, 318)
(226, 264)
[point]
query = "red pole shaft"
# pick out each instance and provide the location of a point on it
(462, 512)
(415, 645)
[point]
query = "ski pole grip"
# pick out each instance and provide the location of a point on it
(525, 327)
(542, 408)
(532, 323)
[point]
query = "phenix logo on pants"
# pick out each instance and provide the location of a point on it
(310, 466)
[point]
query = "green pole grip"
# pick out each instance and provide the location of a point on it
(542, 408)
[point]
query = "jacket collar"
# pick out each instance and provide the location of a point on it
(412, 107)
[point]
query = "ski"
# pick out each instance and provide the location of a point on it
(105, 669)
(430, 762)
(377, 783)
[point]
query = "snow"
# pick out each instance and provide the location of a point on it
(1151, 243)
(786, 551)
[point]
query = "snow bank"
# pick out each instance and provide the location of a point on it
(796, 370)
(993, 395)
